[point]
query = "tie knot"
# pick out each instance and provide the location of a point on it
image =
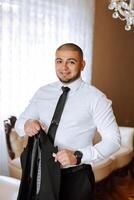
(65, 89)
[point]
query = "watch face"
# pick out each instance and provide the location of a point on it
(78, 155)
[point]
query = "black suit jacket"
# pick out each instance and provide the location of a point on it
(50, 170)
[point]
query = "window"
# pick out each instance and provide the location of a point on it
(30, 31)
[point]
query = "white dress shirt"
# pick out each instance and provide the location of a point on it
(86, 110)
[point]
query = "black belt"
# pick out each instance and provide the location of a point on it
(75, 169)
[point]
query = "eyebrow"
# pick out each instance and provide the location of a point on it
(67, 59)
(58, 59)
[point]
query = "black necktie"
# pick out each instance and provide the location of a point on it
(52, 130)
(57, 114)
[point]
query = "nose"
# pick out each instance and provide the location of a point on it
(65, 66)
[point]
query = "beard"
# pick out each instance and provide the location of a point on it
(69, 80)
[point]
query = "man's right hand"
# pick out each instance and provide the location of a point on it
(32, 127)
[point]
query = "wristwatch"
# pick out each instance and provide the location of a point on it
(78, 155)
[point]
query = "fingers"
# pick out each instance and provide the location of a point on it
(61, 160)
(54, 155)
(65, 157)
(43, 126)
(32, 127)
(62, 157)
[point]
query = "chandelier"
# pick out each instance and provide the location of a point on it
(124, 10)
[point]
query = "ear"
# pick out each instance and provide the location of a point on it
(83, 65)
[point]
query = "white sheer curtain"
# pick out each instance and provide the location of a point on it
(30, 31)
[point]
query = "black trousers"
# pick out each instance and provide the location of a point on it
(77, 183)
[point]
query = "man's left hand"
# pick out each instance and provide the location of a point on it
(65, 157)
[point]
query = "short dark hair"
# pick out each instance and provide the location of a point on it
(71, 46)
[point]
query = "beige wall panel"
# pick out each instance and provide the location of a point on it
(113, 62)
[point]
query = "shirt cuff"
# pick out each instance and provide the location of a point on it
(90, 155)
(19, 127)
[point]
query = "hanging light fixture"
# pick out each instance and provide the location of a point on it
(124, 10)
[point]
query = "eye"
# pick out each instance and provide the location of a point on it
(72, 62)
(58, 61)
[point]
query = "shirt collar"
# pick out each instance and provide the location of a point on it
(73, 85)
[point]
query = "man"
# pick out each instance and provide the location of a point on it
(86, 110)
